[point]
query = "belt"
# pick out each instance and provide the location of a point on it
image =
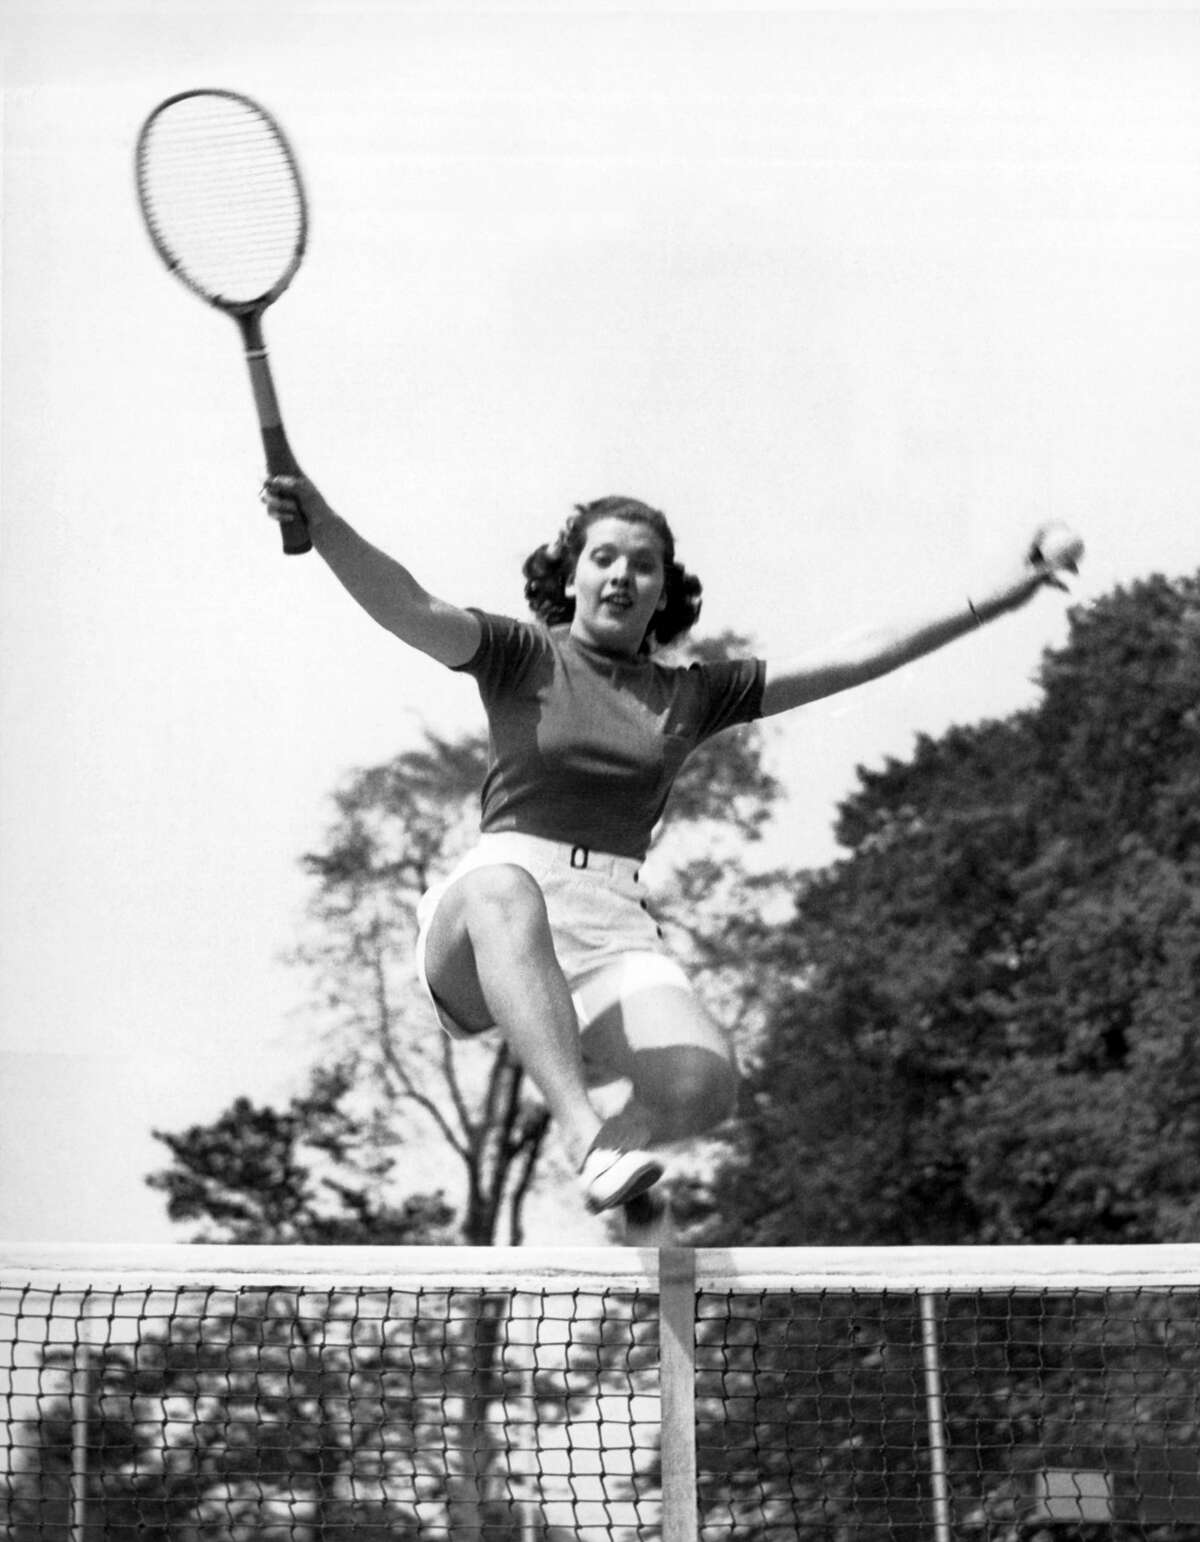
(584, 857)
(579, 857)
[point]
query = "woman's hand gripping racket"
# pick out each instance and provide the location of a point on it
(222, 198)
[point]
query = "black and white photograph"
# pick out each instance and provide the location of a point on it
(599, 767)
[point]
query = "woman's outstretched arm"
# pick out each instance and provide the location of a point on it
(384, 588)
(839, 666)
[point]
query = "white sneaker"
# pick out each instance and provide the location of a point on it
(611, 1177)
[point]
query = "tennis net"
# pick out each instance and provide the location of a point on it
(599, 1395)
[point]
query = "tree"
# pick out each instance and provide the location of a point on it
(979, 1020)
(313, 1173)
(247, 1172)
(398, 825)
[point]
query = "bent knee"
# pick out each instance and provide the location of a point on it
(503, 893)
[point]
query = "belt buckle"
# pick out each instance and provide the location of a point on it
(579, 851)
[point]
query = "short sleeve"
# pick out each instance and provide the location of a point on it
(506, 652)
(731, 692)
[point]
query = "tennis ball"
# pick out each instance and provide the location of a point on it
(1057, 547)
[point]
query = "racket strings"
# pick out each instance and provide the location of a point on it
(222, 197)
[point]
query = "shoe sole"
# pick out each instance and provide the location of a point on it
(641, 1178)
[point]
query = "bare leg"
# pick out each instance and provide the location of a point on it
(659, 1038)
(681, 1068)
(490, 960)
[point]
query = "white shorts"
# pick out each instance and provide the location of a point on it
(605, 938)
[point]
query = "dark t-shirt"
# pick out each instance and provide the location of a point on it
(583, 748)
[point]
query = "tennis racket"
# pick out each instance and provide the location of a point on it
(221, 194)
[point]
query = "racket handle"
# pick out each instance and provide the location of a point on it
(280, 460)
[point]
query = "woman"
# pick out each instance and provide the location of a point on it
(542, 931)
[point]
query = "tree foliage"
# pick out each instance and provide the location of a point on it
(980, 1021)
(398, 1085)
(398, 826)
(312, 1173)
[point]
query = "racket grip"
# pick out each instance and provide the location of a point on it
(296, 540)
(295, 536)
(281, 462)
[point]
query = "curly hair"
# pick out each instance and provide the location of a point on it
(550, 568)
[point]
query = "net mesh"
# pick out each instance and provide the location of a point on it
(222, 197)
(304, 1413)
(305, 1410)
(992, 1414)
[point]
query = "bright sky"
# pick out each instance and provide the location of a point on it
(859, 297)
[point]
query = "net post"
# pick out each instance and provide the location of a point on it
(81, 1417)
(677, 1372)
(935, 1416)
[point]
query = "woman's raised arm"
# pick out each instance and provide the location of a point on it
(384, 588)
(854, 660)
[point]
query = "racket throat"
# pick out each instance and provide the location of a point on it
(279, 457)
(265, 401)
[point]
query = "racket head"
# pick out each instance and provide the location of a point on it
(222, 197)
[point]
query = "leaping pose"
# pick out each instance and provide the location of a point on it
(544, 930)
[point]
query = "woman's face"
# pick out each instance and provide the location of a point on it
(618, 585)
